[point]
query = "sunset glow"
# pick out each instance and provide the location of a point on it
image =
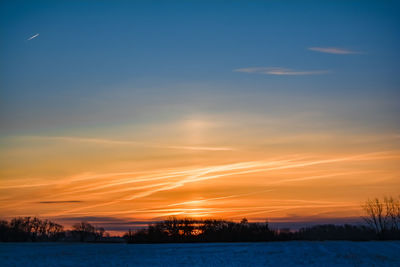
(147, 114)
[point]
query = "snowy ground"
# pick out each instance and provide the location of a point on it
(208, 254)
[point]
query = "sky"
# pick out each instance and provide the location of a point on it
(124, 112)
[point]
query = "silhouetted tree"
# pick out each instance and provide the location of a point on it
(392, 207)
(87, 232)
(84, 230)
(191, 230)
(30, 229)
(383, 216)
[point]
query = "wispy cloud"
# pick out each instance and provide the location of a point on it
(128, 193)
(279, 71)
(333, 50)
(59, 202)
(33, 37)
(117, 191)
(102, 141)
(206, 148)
(217, 198)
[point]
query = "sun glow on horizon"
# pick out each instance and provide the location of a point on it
(207, 184)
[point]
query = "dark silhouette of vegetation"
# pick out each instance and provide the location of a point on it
(336, 232)
(30, 229)
(87, 232)
(382, 219)
(187, 230)
(190, 230)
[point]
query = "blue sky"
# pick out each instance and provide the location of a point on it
(160, 51)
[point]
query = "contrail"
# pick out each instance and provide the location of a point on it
(32, 37)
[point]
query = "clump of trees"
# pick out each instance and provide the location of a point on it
(191, 230)
(383, 216)
(187, 230)
(30, 229)
(85, 232)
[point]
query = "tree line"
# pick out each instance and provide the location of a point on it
(382, 219)
(30, 229)
(382, 222)
(176, 230)
(33, 229)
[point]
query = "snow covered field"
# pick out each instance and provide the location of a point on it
(208, 254)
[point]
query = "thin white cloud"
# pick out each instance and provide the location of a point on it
(32, 37)
(116, 189)
(206, 148)
(279, 71)
(333, 50)
(130, 143)
(217, 198)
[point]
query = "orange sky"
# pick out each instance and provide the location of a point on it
(197, 168)
(132, 111)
